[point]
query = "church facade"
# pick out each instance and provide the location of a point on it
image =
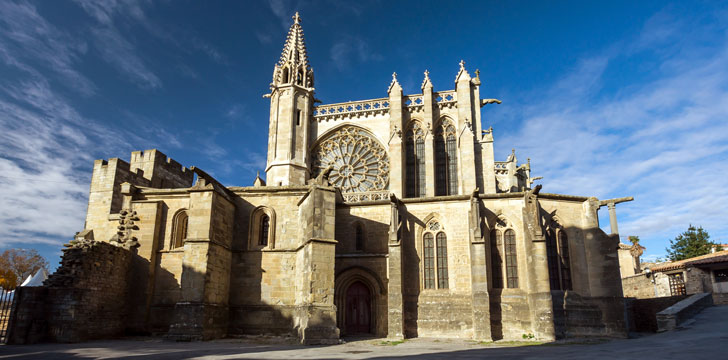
(388, 217)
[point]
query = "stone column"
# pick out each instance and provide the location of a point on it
(395, 299)
(202, 313)
(540, 301)
(144, 263)
(601, 253)
(465, 132)
(431, 123)
(396, 129)
(613, 218)
(479, 275)
(315, 316)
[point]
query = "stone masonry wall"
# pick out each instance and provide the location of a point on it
(84, 299)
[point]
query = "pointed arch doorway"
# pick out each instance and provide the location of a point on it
(358, 309)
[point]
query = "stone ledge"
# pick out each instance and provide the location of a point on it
(670, 318)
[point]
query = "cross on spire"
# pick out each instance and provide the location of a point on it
(296, 18)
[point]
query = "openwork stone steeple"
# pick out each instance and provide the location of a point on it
(293, 67)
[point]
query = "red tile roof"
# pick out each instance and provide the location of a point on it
(719, 256)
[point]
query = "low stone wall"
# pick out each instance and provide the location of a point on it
(594, 316)
(641, 286)
(673, 316)
(643, 312)
(84, 299)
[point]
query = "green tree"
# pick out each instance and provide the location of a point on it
(21, 263)
(694, 242)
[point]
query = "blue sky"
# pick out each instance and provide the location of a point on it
(608, 99)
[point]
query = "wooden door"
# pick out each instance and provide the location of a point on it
(358, 309)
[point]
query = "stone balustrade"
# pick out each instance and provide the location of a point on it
(355, 197)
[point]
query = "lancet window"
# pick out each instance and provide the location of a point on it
(557, 249)
(496, 258)
(434, 247)
(446, 162)
(262, 229)
(503, 256)
(415, 160)
(179, 229)
(509, 242)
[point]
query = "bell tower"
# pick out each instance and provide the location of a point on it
(291, 105)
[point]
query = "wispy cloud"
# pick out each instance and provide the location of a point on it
(120, 53)
(44, 143)
(664, 140)
(26, 37)
(350, 50)
(283, 10)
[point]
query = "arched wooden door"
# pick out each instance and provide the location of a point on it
(358, 309)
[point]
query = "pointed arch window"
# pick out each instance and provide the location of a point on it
(415, 161)
(434, 248)
(442, 260)
(496, 258)
(557, 248)
(565, 260)
(429, 260)
(262, 229)
(446, 178)
(179, 229)
(509, 242)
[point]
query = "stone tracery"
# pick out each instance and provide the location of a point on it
(359, 163)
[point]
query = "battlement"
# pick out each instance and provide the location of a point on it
(160, 170)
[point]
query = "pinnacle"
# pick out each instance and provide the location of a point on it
(294, 50)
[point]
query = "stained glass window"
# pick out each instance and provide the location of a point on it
(264, 229)
(496, 243)
(358, 162)
(441, 260)
(511, 259)
(429, 261)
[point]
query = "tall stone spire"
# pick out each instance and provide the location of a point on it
(291, 102)
(293, 67)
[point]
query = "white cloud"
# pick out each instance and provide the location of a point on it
(351, 50)
(25, 37)
(120, 53)
(663, 140)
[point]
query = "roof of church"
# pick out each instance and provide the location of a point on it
(295, 47)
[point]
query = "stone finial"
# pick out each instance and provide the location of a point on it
(462, 73)
(476, 80)
(258, 181)
(426, 83)
(394, 84)
(293, 66)
(512, 156)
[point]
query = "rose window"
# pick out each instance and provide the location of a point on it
(358, 162)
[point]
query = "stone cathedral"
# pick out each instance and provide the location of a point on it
(387, 217)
